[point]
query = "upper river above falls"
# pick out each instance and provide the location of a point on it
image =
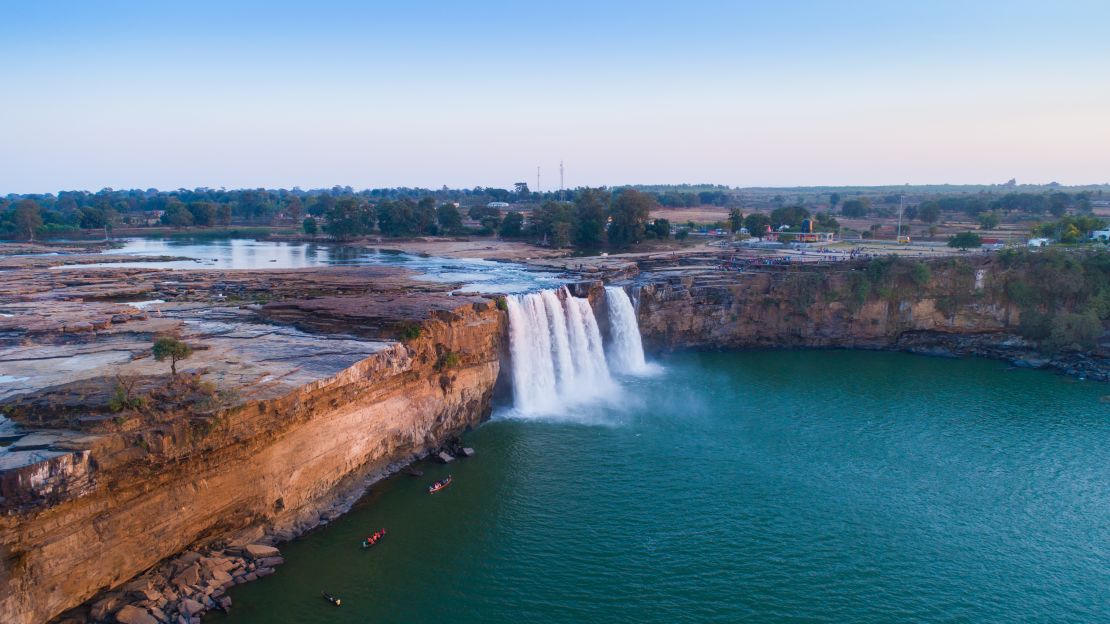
(475, 275)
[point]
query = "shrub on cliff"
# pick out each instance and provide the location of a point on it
(448, 361)
(1075, 331)
(124, 396)
(172, 349)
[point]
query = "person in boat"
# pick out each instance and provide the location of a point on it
(332, 599)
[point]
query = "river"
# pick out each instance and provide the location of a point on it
(807, 486)
(473, 274)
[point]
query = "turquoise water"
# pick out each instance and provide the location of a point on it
(475, 275)
(807, 486)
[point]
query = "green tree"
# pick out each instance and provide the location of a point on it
(177, 215)
(512, 226)
(629, 212)
(929, 212)
(397, 218)
(856, 208)
(204, 213)
(349, 219)
(1075, 331)
(789, 215)
(294, 208)
(659, 228)
(965, 240)
(309, 226)
(826, 223)
(988, 220)
(27, 218)
(425, 216)
(757, 224)
(735, 220)
(834, 199)
(172, 349)
(449, 217)
(552, 222)
(589, 217)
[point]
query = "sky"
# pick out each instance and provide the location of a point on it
(463, 94)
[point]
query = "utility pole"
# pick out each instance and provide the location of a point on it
(537, 178)
(901, 207)
(560, 180)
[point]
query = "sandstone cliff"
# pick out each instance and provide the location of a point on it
(943, 307)
(120, 502)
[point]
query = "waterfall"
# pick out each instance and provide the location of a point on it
(558, 358)
(626, 351)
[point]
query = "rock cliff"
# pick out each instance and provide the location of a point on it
(115, 501)
(942, 307)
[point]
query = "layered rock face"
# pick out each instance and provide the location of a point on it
(126, 500)
(950, 308)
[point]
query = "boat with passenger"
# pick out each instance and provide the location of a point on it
(374, 539)
(439, 485)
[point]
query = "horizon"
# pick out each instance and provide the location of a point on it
(817, 188)
(270, 95)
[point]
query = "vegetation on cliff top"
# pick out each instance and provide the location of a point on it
(1064, 297)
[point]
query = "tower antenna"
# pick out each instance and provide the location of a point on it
(537, 178)
(901, 209)
(560, 180)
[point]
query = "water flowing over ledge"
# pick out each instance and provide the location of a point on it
(558, 354)
(626, 353)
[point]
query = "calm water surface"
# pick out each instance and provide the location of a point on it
(815, 486)
(475, 275)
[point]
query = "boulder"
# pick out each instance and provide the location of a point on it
(247, 578)
(444, 457)
(467, 451)
(248, 536)
(190, 575)
(225, 603)
(284, 535)
(104, 607)
(130, 614)
(221, 577)
(270, 562)
(189, 557)
(260, 572)
(138, 585)
(260, 551)
(191, 607)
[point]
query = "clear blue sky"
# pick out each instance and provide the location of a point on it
(140, 94)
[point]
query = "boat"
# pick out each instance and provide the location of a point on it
(439, 485)
(332, 599)
(373, 539)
